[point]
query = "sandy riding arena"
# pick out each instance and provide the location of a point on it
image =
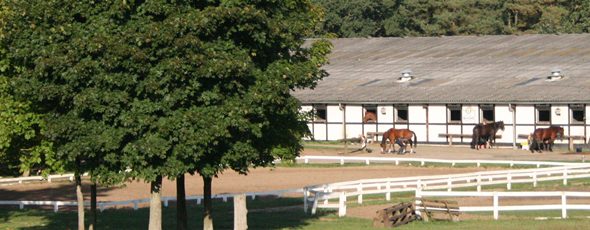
(268, 179)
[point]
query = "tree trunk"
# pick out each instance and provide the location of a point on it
(92, 206)
(207, 209)
(181, 217)
(156, 204)
(80, 199)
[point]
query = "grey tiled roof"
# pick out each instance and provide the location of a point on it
(459, 69)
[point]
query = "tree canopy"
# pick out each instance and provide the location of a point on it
(162, 88)
(384, 18)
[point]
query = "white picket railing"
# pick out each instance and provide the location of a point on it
(135, 203)
(496, 207)
(20, 180)
(319, 195)
(423, 161)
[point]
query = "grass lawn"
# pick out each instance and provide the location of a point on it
(292, 218)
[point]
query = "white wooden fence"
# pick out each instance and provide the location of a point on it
(495, 207)
(340, 191)
(20, 180)
(423, 161)
(318, 196)
(135, 203)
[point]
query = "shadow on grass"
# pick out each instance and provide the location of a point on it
(267, 213)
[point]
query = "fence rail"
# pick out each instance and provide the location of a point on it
(136, 202)
(423, 161)
(496, 208)
(318, 196)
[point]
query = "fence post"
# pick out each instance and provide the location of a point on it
(419, 184)
(49, 178)
(342, 204)
(56, 206)
(449, 185)
(479, 182)
(534, 179)
(341, 161)
(396, 162)
(495, 206)
(135, 203)
(359, 189)
(388, 193)
(306, 160)
(564, 176)
(305, 205)
(101, 206)
(421, 163)
(453, 164)
(325, 192)
(563, 205)
(367, 161)
(418, 197)
(509, 184)
(478, 164)
(240, 212)
(166, 201)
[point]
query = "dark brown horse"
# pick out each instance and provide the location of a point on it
(485, 133)
(545, 137)
(394, 134)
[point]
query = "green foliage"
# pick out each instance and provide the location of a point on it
(22, 147)
(453, 17)
(355, 18)
(163, 88)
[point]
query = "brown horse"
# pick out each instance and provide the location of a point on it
(482, 133)
(393, 135)
(369, 117)
(546, 137)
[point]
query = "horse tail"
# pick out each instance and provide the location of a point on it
(415, 139)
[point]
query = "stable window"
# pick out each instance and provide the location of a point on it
(487, 113)
(578, 114)
(543, 114)
(401, 113)
(454, 113)
(370, 114)
(319, 113)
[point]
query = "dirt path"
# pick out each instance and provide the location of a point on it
(259, 180)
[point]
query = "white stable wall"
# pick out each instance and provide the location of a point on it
(470, 114)
(561, 118)
(437, 122)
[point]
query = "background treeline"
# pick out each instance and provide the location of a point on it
(397, 18)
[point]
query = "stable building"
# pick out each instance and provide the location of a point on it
(443, 86)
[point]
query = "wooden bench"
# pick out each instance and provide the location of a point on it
(570, 139)
(394, 216)
(438, 209)
(373, 136)
(450, 136)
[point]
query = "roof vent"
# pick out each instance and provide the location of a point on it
(406, 76)
(556, 74)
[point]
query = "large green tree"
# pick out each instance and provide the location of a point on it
(162, 88)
